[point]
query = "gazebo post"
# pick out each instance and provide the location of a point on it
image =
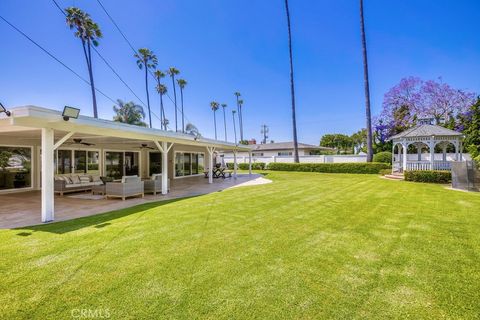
(432, 152)
(405, 149)
(461, 150)
(419, 151)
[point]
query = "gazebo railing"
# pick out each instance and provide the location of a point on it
(427, 165)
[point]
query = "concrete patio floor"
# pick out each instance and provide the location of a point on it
(23, 209)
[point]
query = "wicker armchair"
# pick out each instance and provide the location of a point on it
(155, 184)
(130, 186)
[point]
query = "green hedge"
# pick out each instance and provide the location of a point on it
(244, 166)
(363, 167)
(383, 157)
(428, 176)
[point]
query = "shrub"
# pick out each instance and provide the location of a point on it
(363, 167)
(244, 166)
(383, 157)
(384, 172)
(428, 176)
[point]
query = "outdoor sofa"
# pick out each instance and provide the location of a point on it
(75, 183)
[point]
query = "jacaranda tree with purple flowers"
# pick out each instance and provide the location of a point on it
(413, 99)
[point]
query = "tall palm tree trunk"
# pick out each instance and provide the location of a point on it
(148, 96)
(240, 117)
(225, 124)
(367, 87)
(234, 128)
(292, 88)
(239, 120)
(162, 110)
(175, 101)
(183, 118)
(215, 124)
(88, 57)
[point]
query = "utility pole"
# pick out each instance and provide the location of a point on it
(264, 133)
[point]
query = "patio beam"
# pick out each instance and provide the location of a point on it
(62, 140)
(235, 164)
(47, 175)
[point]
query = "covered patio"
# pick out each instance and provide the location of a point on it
(39, 146)
(22, 209)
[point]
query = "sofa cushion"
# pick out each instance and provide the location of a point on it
(84, 179)
(95, 178)
(156, 176)
(75, 185)
(126, 179)
(67, 179)
(75, 179)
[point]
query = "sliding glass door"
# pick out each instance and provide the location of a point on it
(119, 163)
(15, 167)
(188, 163)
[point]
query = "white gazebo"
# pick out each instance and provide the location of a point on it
(424, 139)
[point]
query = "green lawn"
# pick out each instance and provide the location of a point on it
(306, 246)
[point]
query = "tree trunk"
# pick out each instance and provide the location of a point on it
(183, 118)
(161, 105)
(239, 123)
(292, 88)
(215, 124)
(175, 101)
(225, 124)
(88, 57)
(148, 95)
(367, 87)
(240, 117)
(234, 127)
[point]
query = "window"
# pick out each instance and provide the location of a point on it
(257, 154)
(77, 161)
(15, 167)
(119, 164)
(188, 163)
(155, 162)
(284, 153)
(64, 161)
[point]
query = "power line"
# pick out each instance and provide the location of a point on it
(53, 57)
(134, 50)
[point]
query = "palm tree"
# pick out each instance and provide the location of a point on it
(240, 118)
(214, 106)
(89, 33)
(146, 60)
(191, 129)
(182, 83)
(129, 112)
(224, 105)
(367, 86)
(161, 89)
(234, 127)
(237, 96)
(292, 87)
(172, 72)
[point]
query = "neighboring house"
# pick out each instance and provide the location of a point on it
(280, 149)
(38, 146)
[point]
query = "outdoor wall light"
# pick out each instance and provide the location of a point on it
(70, 112)
(2, 109)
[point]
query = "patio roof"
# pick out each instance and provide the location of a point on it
(27, 118)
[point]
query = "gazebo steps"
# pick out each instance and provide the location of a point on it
(395, 176)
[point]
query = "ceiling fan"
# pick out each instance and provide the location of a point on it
(79, 141)
(145, 146)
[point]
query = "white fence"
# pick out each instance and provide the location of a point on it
(342, 158)
(303, 159)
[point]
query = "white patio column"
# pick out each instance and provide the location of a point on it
(234, 164)
(48, 204)
(404, 146)
(165, 167)
(210, 164)
(250, 163)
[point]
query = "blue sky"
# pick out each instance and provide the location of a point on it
(224, 46)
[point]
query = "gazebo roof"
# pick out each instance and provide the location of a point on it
(426, 130)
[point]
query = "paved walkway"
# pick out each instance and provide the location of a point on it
(23, 209)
